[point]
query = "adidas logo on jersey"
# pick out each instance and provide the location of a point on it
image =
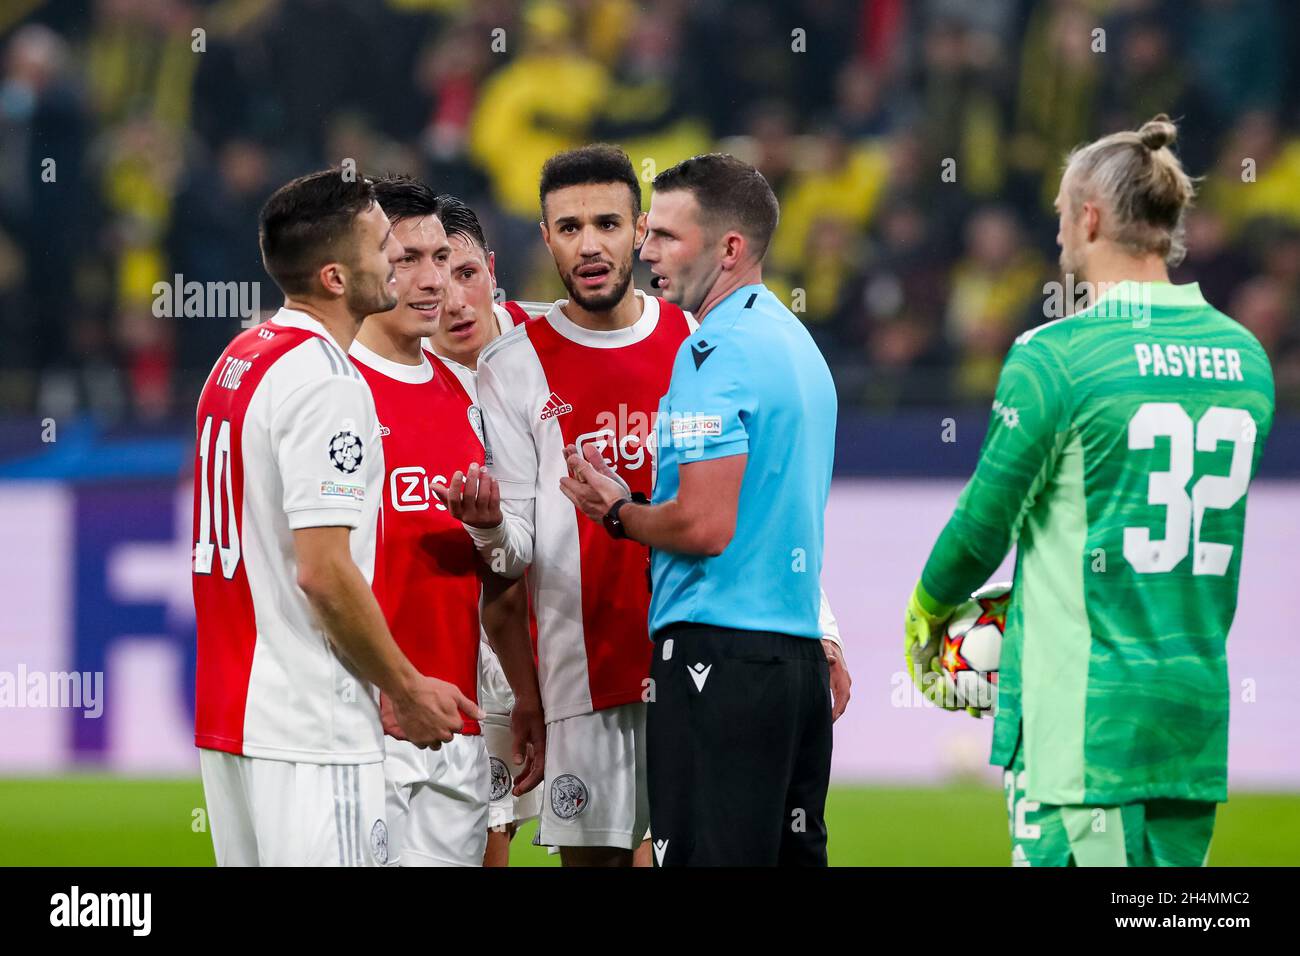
(555, 407)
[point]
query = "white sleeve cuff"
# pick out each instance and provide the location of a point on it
(494, 547)
(830, 627)
(323, 518)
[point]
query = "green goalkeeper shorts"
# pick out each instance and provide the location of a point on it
(1152, 833)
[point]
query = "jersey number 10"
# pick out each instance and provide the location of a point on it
(1183, 512)
(216, 507)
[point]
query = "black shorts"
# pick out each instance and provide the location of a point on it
(738, 748)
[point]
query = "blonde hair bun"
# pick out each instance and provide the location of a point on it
(1158, 132)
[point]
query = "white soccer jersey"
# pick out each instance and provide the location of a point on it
(288, 438)
(495, 696)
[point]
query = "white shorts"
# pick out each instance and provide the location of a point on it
(596, 792)
(281, 813)
(505, 808)
(437, 802)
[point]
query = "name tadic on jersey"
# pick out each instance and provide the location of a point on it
(287, 440)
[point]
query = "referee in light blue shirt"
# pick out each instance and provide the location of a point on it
(739, 727)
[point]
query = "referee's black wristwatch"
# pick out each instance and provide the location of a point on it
(611, 521)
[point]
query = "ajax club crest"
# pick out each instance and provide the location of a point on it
(379, 842)
(568, 796)
(500, 778)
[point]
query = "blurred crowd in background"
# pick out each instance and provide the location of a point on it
(914, 283)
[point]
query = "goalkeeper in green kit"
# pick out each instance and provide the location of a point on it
(1121, 445)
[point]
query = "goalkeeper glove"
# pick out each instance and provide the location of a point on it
(923, 626)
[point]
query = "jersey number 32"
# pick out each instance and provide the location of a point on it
(1183, 512)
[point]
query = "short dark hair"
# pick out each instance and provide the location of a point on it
(405, 197)
(307, 223)
(732, 195)
(459, 220)
(596, 163)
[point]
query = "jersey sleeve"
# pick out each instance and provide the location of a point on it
(1265, 425)
(510, 455)
(324, 439)
(711, 403)
(509, 448)
(830, 627)
(1027, 428)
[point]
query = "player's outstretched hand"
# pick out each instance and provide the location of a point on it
(840, 679)
(528, 727)
(473, 497)
(591, 484)
(429, 711)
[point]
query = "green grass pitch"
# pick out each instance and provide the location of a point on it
(103, 821)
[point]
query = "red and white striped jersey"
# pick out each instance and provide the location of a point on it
(546, 384)
(287, 439)
(427, 570)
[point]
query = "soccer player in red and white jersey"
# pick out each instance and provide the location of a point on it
(471, 320)
(589, 372)
(428, 576)
(287, 479)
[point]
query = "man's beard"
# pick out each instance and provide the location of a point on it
(368, 297)
(604, 301)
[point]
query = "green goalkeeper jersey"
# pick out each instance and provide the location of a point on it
(1120, 448)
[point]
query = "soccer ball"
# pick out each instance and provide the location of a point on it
(972, 645)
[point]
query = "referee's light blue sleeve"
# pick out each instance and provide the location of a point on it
(711, 404)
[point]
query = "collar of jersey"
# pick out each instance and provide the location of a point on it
(293, 319)
(411, 374)
(505, 321)
(1156, 293)
(616, 339)
(737, 298)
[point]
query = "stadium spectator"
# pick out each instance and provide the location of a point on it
(1257, 174)
(1055, 106)
(1263, 306)
(993, 284)
(890, 315)
(865, 103)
